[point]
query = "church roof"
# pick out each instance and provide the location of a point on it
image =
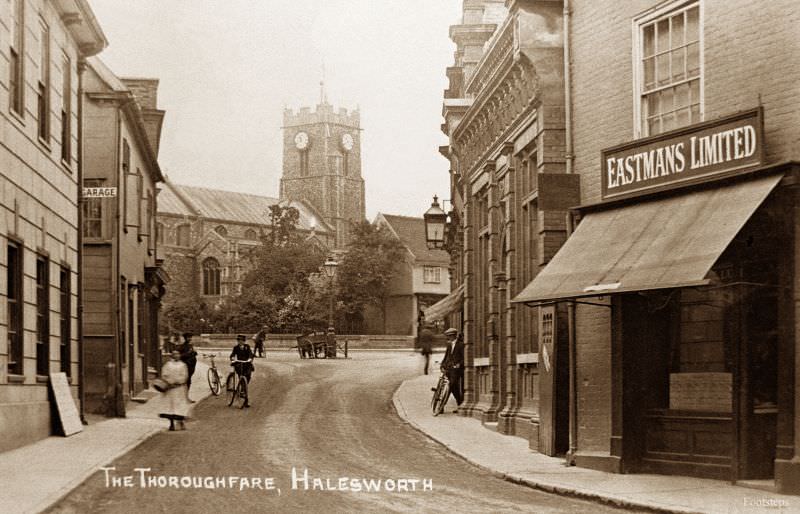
(411, 232)
(229, 206)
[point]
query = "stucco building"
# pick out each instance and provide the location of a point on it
(122, 279)
(43, 45)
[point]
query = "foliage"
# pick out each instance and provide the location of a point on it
(366, 270)
(283, 219)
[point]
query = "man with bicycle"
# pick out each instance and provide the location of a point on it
(453, 364)
(243, 352)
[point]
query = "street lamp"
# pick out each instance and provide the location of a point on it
(435, 221)
(330, 271)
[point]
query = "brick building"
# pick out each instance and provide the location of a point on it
(43, 45)
(679, 276)
(422, 278)
(504, 115)
(122, 278)
(206, 233)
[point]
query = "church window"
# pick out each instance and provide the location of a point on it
(211, 277)
(221, 230)
(250, 234)
(183, 235)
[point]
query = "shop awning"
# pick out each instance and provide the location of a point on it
(446, 305)
(656, 244)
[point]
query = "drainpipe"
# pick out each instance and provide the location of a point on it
(81, 367)
(573, 400)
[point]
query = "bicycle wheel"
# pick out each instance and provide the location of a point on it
(230, 388)
(442, 394)
(242, 392)
(213, 381)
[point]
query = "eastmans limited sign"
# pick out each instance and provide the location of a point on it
(696, 153)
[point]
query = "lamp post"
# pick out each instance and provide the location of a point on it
(330, 271)
(435, 221)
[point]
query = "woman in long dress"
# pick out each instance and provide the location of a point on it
(175, 373)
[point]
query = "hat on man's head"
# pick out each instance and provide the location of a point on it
(241, 337)
(187, 334)
(451, 332)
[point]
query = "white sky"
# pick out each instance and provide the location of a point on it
(227, 68)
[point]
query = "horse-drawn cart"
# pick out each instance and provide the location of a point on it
(319, 346)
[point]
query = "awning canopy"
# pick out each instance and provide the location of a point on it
(446, 305)
(656, 244)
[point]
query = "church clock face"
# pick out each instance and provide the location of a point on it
(301, 140)
(347, 142)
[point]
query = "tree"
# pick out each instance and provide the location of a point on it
(366, 270)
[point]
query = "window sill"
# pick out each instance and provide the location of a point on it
(67, 166)
(15, 379)
(44, 144)
(17, 116)
(42, 379)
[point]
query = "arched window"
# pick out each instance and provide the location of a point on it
(211, 277)
(221, 230)
(160, 233)
(251, 234)
(183, 235)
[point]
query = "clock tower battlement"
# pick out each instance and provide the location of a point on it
(322, 164)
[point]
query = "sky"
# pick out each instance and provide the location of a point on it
(228, 68)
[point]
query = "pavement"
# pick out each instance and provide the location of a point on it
(36, 476)
(510, 458)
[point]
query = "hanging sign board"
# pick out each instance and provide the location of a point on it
(693, 154)
(99, 192)
(67, 412)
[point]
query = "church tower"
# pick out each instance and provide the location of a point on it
(322, 164)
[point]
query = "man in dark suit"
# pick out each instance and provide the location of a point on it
(453, 364)
(189, 357)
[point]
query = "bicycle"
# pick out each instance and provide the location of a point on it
(214, 382)
(441, 393)
(236, 386)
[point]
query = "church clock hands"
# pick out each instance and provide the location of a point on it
(301, 140)
(347, 142)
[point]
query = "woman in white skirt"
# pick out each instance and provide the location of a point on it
(175, 374)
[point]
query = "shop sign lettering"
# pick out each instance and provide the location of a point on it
(99, 192)
(696, 153)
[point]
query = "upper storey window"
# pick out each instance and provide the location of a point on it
(669, 64)
(16, 61)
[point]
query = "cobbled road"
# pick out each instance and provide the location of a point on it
(333, 423)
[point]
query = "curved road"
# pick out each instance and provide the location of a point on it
(330, 418)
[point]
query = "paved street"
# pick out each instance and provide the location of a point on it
(331, 419)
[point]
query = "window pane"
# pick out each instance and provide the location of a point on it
(653, 126)
(662, 33)
(693, 60)
(649, 73)
(667, 122)
(684, 117)
(694, 90)
(648, 35)
(692, 18)
(667, 97)
(678, 64)
(662, 64)
(696, 113)
(677, 30)
(682, 96)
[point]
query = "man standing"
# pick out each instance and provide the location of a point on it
(189, 357)
(242, 353)
(453, 364)
(258, 341)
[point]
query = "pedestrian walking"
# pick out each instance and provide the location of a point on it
(175, 375)
(453, 364)
(189, 357)
(425, 338)
(258, 341)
